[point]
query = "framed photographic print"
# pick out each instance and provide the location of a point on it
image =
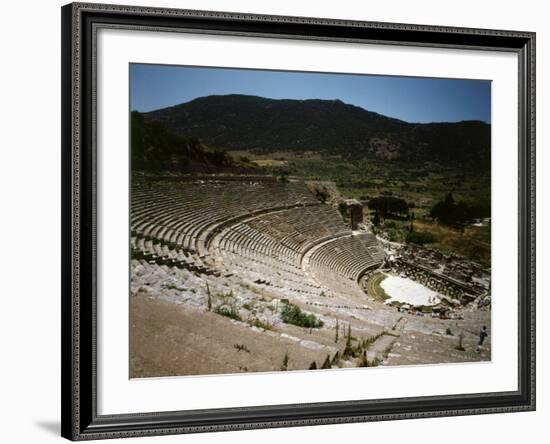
(280, 221)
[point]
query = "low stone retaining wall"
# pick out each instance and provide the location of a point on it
(438, 282)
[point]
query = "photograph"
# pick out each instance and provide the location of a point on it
(300, 221)
(275, 222)
(292, 218)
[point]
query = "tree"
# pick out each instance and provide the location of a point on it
(376, 219)
(283, 177)
(343, 209)
(155, 147)
(348, 351)
(448, 211)
(209, 301)
(321, 193)
(444, 211)
(389, 205)
(363, 362)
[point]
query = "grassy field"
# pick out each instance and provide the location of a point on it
(420, 184)
(471, 242)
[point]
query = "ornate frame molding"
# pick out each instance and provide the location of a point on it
(80, 22)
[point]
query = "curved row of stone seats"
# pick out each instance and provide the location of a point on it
(348, 255)
(184, 285)
(255, 255)
(266, 252)
(300, 228)
(156, 252)
(280, 281)
(279, 239)
(284, 234)
(339, 263)
(338, 284)
(178, 212)
(243, 248)
(261, 231)
(248, 241)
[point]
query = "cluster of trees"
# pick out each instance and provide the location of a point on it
(450, 212)
(155, 147)
(385, 206)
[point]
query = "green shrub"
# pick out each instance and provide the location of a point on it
(284, 367)
(255, 322)
(292, 314)
(393, 235)
(248, 306)
(228, 312)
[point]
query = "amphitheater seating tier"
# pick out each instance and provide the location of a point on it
(274, 233)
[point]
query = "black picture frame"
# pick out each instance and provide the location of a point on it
(78, 334)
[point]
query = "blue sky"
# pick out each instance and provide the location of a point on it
(413, 99)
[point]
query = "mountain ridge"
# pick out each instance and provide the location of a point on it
(164, 108)
(236, 122)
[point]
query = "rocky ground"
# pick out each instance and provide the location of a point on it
(186, 323)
